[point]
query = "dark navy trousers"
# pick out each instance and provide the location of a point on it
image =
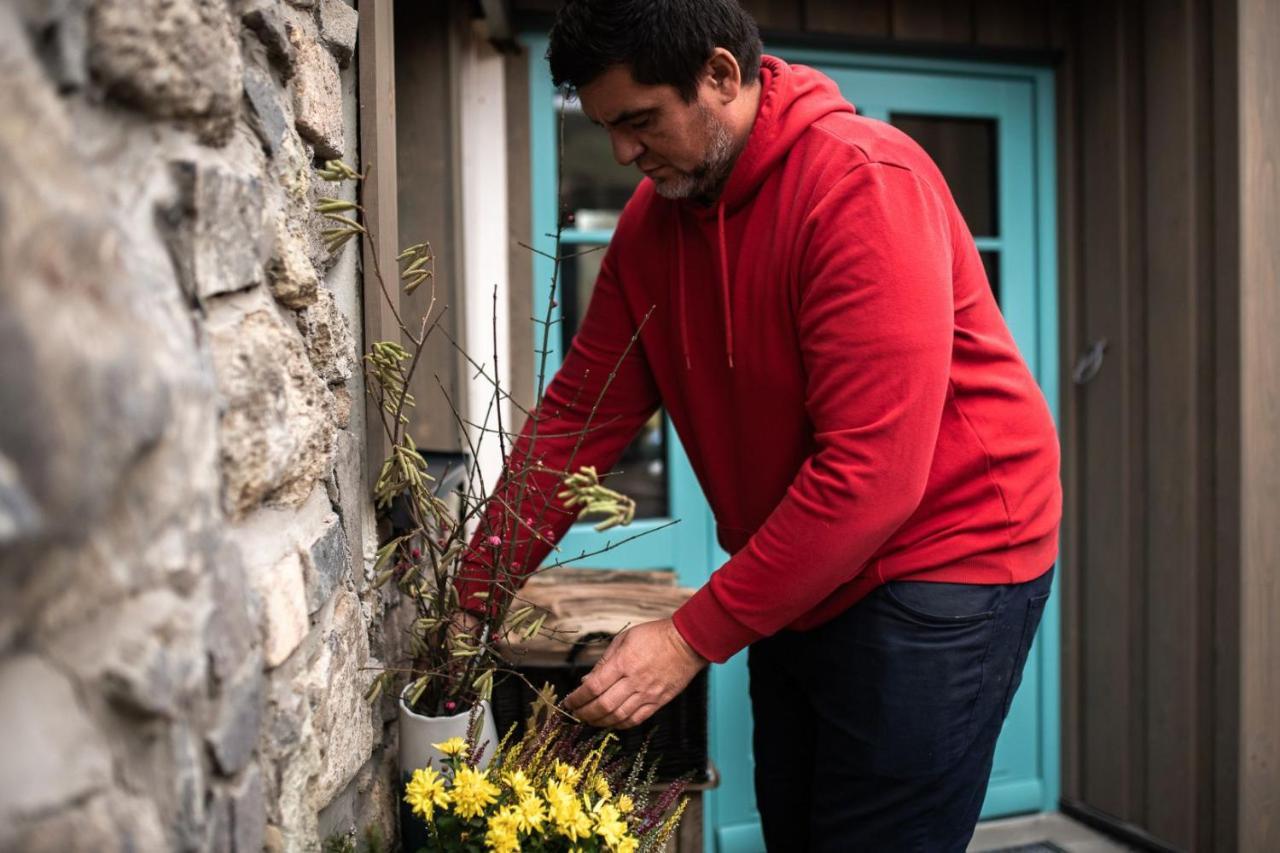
(876, 731)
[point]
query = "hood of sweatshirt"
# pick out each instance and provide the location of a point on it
(792, 98)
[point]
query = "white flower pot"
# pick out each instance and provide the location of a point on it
(418, 732)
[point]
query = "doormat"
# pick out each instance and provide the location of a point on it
(1037, 847)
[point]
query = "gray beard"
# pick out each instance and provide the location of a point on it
(707, 179)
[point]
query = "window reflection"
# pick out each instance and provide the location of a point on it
(641, 473)
(594, 187)
(991, 262)
(965, 151)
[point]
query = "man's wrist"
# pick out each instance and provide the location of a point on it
(683, 645)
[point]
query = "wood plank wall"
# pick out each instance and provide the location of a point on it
(429, 206)
(1019, 24)
(1141, 271)
(1258, 376)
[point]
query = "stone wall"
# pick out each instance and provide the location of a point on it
(187, 623)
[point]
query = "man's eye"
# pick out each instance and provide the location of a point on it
(640, 124)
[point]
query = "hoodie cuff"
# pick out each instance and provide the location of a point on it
(710, 629)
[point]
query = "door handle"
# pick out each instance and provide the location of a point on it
(1089, 362)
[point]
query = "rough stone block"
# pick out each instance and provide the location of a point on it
(188, 819)
(262, 17)
(214, 229)
(249, 813)
(111, 823)
(83, 403)
(145, 654)
(266, 112)
(330, 345)
(229, 633)
(218, 829)
(298, 798)
(284, 608)
(169, 58)
(277, 426)
(235, 732)
(327, 561)
(54, 755)
(273, 840)
(342, 407)
(338, 26)
(317, 97)
(343, 720)
(293, 277)
(62, 38)
(19, 516)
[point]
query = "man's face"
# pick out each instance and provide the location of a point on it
(684, 148)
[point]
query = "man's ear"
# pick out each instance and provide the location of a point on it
(724, 75)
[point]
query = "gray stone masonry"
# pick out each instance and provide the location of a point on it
(187, 629)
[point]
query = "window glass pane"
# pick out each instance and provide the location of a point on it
(594, 187)
(991, 262)
(965, 151)
(641, 473)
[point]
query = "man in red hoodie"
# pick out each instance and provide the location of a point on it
(809, 306)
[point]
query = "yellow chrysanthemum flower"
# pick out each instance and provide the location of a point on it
(472, 792)
(504, 832)
(519, 784)
(625, 804)
(426, 792)
(627, 845)
(565, 773)
(609, 824)
(602, 787)
(531, 813)
(566, 812)
(452, 746)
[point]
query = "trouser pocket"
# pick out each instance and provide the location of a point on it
(1034, 611)
(902, 674)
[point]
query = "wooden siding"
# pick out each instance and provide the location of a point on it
(520, 219)
(1258, 376)
(426, 133)
(1023, 25)
(377, 82)
(1154, 688)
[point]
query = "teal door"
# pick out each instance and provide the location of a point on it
(990, 130)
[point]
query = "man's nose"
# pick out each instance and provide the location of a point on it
(626, 148)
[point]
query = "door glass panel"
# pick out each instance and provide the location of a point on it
(595, 187)
(641, 473)
(965, 151)
(991, 262)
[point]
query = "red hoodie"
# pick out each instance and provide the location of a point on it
(828, 349)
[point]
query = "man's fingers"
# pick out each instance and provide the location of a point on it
(639, 715)
(601, 707)
(619, 717)
(601, 678)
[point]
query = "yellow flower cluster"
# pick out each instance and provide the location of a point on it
(526, 799)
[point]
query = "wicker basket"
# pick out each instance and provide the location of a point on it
(586, 608)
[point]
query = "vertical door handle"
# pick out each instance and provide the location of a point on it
(1089, 362)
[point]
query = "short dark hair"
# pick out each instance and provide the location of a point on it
(663, 42)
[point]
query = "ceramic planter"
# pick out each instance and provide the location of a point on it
(417, 733)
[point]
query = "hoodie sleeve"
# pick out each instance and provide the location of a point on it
(593, 407)
(875, 325)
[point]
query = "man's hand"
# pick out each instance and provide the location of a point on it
(642, 670)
